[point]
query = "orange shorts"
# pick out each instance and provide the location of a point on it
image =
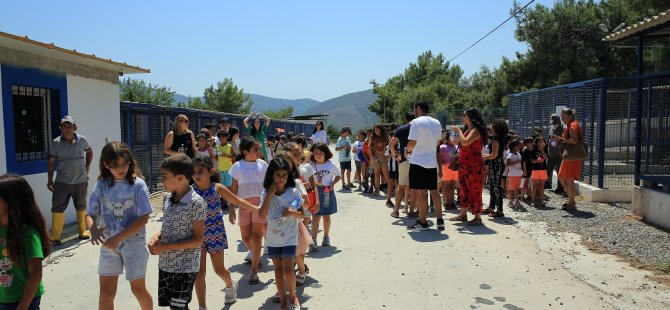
(513, 183)
(448, 174)
(539, 175)
(246, 217)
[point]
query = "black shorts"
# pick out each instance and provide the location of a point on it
(175, 289)
(345, 165)
(422, 178)
(393, 175)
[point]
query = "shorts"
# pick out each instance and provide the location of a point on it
(513, 183)
(403, 173)
(62, 193)
(422, 178)
(448, 174)
(226, 179)
(175, 290)
(34, 304)
(132, 254)
(282, 252)
(246, 217)
(539, 175)
(394, 175)
(357, 163)
(345, 165)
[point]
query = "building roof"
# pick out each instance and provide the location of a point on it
(647, 24)
(25, 44)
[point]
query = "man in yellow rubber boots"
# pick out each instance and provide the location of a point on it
(70, 155)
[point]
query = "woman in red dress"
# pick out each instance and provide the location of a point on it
(471, 165)
(570, 170)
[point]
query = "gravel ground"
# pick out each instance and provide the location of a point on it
(611, 227)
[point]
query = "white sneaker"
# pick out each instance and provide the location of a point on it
(313, 245)
(295, 304)
(231, 293)
(249, 257)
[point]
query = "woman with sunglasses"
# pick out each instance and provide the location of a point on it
(180, 139)
(319, 134)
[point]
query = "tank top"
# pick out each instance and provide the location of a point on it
(213, 200)
(183, 139)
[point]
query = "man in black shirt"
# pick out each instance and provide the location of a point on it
(400, 137)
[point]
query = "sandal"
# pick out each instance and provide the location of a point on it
(475, 222)
(395, 214)
(569, 207)
(458, 218)
(412, 214)
(276, 299)
(253, 279)
(496, 214)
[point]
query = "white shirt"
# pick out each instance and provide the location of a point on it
(325, 173)
(249, 176)
(282, 230)
(515, 169)
(319, 136)
(427, 132)
(358, 145)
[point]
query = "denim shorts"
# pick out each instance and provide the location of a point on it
(132, 254)
(34, 304)
(281, 252)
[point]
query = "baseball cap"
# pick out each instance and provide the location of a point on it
(224, 120)
(68, 119)
(555, 119)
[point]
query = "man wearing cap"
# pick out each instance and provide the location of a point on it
(70, 156)
(224, 124)
(554, 159)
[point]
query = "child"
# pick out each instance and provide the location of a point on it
(225, 154)
(271, 146)
(327, 175)
(527, 157)
(367, 157)
(117, 214)
(280, 205)
(248, 175)
(343, 146)
(448, 153)
(394, 174)
(515, 173)
(204, 149)
(24, 243)
(215, 240)
(539, 174)
(234, 140)
(178, 243)
(358, 157)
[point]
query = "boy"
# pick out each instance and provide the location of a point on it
(271, 142)
(367, 173)
(343, 146)
(178, 243)
(225, 155)
(70, 156)
(358, 157)
(527, 157)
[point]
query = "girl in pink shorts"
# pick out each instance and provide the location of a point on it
(514, 174)
(448, 152)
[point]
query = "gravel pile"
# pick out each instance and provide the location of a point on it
(610, 226)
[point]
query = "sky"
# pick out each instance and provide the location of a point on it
(285, 49)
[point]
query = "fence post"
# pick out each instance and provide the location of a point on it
(151, 148)
(638, 119)
(129, 121)
(601, 132)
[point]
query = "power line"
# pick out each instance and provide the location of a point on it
(492, 31)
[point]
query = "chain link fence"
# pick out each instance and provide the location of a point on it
(654, 145)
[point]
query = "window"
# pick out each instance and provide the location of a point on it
(34, 109)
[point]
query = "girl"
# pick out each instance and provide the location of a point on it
(539, 174)
(497, 167)
(204, 149)
(206, 184)
(380, 165)
(514, 174)
(280, 205)
(117, 214)
(367, 187)
(24, 243)
(257, 129)
(327, 175)
(448, 153)
(319, 134)
(180, 139)
(248, 174)
(234, 138)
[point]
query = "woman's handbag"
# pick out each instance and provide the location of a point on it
(574, 152)
(453, 166)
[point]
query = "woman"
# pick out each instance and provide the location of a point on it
(570, 170)
(257, 129)
(180, 139)
(319, 134)
(471, 165)
(378, 143)
(497, 167)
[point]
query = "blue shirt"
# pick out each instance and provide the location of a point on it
(115, 207)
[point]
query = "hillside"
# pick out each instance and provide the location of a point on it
(264, 103)
(348, 110)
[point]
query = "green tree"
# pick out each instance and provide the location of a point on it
(227, 97)
(280, 114)
(139, 91)
(332, 132)
(196, 103)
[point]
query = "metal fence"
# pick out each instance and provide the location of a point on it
(606, 110)
(453, 116)
(654, 144)
(144, 127)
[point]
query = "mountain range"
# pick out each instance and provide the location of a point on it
(346, 110)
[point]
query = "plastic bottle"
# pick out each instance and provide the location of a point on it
(326, 197)
(182, 149)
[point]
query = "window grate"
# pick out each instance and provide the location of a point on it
(33, 107)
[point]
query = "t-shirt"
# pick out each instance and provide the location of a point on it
(224, 162)
(70, 159)
(117, 206)
(448, 153)
(201, 154)
(306, 171)
(178, 218)
(319, 137)
(402, 133)
(345, 152)
(515, 169)
(325, 173)
(282, 230)
(359, 147)
(249, 176)
(527, 156)
(426, 131)
(13, 279)
(541, 165)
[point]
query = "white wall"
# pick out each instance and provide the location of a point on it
(3, 161)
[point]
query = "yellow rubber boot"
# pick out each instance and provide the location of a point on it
(57, 221)
(81, 221)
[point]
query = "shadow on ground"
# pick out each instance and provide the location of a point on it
(324, 252)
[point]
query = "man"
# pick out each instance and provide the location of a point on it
(70, 156)
(554, 159)
(225, 124)
(425, 134)
(400, 138)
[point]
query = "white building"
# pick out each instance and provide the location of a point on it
(40, 83)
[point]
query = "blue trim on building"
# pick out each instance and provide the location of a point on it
(34, 78)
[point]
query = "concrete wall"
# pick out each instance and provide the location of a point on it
(652, 205)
